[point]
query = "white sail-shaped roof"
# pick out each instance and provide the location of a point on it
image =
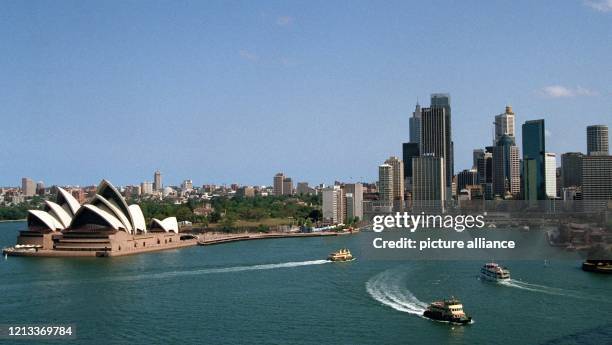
(44, 218)
(90, 214)
(66, 199)
(102, 203)
(59, 213)
(110, 193)
(168, 224)
(138, 217)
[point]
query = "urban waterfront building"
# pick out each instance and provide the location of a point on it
(105, 226)
(415, 125)
(187, 185)
(571, 169)
(385, 183)
(597, 140)
(245, 192)
(146, 188)
(333, 207)
(484, 169)
(467, 177)
(476, 155)
(287, 186)
(277, 184)
(550, 169)
(157, 181)
(534, 148)
(28, 187)
(596, 178)
(355, 207)
(504, 124)
(506, 167)
(398, 177)
(303, 189)
(409, 151)
(442, 100)
(428, 176)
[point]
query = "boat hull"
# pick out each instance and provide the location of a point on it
(445, 318)
(594, 267)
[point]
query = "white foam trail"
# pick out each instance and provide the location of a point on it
(537, 288)
(387, 289)
(225, 270)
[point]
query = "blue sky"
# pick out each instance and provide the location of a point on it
(235, 91)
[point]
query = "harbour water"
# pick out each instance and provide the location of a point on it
(282, 291)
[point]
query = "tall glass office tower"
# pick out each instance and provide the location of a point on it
(534, 150)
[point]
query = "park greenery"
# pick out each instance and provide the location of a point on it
(223, 213)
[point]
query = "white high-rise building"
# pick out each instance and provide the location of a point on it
(146, 188)
(504, 124)
(550, 174)
(398, 177)
(333, 205)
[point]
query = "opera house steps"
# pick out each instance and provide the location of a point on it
(104, 226)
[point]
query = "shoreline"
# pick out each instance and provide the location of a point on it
(12, 220)
(219, 238)
(201, 240)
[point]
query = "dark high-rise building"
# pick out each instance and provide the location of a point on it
(415, 125)
(476, 155)
(596, 179)
(409, 151)
(506, 167)
(571, 169)
(484, 170)
(157, 181)
(442, 100)
(597, 140)
(467, 177)
(534, 150)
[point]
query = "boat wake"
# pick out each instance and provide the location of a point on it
(538, 288)
(387, 288)
(225, 270)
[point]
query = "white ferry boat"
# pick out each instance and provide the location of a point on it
(494, 272)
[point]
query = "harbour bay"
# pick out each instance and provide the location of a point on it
(284, 291)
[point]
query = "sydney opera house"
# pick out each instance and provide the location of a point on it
(104, 226)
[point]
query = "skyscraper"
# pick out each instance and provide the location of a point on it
(596, 178)
(550, 170)
(504, 124)
(428, 176)
(443, 100)
(415, 125)
(409, 151)
(534, 148)
(597, 140)
(476, 155)
(355, 209)
(278, 184)
(436, 134)
(385, 182)
(506, 167)
(398, 177)
(571, 169)
(467, 177)
(287, 186)
(28, 186)
(157, 181)
(333, 205)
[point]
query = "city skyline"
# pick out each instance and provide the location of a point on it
(222, 93)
